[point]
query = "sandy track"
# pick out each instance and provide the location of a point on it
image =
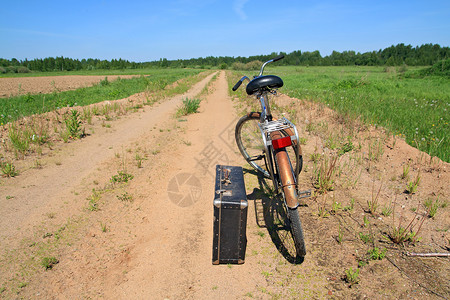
(156, 248)
(48, 84)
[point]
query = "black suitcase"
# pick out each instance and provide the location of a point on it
(230, 216)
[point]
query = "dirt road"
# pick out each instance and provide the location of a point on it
(154, 247)
(151, 237)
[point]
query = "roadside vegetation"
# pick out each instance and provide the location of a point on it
(412, 107)
(371, 206)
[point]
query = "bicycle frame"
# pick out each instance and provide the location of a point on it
(271, 131)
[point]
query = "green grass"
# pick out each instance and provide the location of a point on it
(190, 106)
(416, 109)
(99, 72)
(14, 108)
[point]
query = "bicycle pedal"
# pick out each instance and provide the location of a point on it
(253, 158)
(304, 194)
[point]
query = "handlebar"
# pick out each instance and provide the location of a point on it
(238, 84)
(278, 58)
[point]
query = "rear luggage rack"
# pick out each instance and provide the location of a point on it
(277, 125)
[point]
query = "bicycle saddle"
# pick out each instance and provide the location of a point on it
(264, 82)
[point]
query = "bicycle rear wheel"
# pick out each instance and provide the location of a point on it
(250, 143)
(296, 231)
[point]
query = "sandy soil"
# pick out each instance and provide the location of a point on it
(151, 238)
(49, 84)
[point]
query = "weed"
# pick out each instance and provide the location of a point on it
(20, 139)
(340, 235)
(400, 235)
(186, 143)
(315, 157)
(352, 277)
(139, 160)
(366, 222)
(22, 285)
(325, 174)
(366, 238)
(335, 207)
(373, 202)
(73, 124)
(103, 227)
(87, 115)
(125, 197)
(377, 254)
(302, 141)
(387, 211)
(375, 150)
(121, 176)
(321, 206)
(331, 142)
(93, 200)
(351, 206)
(189, 106)
(266, 274)
(49, 262)
(261, 233)
(51, 215)
(37, 164)
(362, 263)
(104, 82)
(8, 169)
(413, 185)
(405, 173)
(347, 147)
(432, 206)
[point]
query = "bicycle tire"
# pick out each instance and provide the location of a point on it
(249, 141)
(290, 195)
(297, 231)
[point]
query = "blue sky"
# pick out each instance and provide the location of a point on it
(182, 29)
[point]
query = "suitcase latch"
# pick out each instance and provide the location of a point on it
(227, 193)
(226, 177)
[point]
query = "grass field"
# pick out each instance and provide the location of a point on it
(416, 109)
(95, 72)
(13, 108)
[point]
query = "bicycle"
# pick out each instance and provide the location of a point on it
(271, 155)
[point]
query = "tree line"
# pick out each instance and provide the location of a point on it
(401, 54)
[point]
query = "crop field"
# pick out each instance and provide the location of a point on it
(416, 109)
(13, 108)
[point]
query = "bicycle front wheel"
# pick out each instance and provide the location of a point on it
(250, 143)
